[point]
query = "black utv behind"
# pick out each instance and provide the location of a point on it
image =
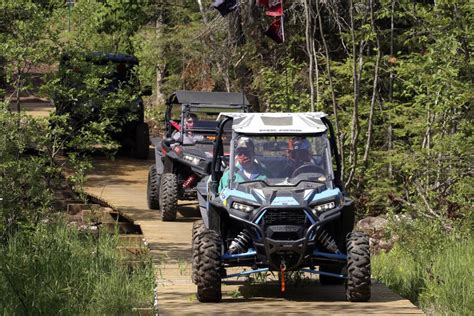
(117, 98)
(183, 156)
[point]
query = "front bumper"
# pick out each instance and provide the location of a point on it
(294, 253)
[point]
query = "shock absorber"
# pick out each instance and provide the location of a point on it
(327, 241)
(241, 242)
(190, 181)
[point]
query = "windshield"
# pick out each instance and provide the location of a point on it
(197, 124)
(281, 160)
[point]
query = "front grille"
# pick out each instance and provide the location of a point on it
(284, 224)
(295, 217)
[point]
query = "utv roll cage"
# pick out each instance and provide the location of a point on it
(226, 118)
(206, 102)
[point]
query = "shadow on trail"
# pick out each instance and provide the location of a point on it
(311, 299)
(185, 214)
(170, 252)
(118, 171)
(188, 213)
(308, 291)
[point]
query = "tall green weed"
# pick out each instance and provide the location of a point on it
(58, 270)
(432, 268)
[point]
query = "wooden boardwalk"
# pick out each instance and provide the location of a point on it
(122, 183)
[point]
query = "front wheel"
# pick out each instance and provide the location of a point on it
(358, 267)
(168, 197)
(198, 227)
(153, 189)
(208, 266)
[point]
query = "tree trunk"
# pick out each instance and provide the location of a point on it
(356, 88)
(316, 74)
(390, 89)
(236, 34)
(159, 68)
(309, 50)
(214, 48)
(333, 94)
(374, 87)
(18, 85)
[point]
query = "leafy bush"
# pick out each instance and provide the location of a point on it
(96, 99)
(25, 179)
(57, 270)
(431, 267)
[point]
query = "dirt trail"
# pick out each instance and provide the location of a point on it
(34, 106)
(122, 183)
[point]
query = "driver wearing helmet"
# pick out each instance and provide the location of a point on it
(246, 169)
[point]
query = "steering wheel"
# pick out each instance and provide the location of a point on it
(307, 168)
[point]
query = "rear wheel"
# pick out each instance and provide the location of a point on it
(168, 196)
(208, 266)
(153, 189)
(198, 227)
(358, 267)
(328, 280)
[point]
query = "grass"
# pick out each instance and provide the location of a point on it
(182, 266)
(57, 270)
(440, 280)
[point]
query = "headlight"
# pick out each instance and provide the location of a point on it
(192, 159)
(324, 207)
(242, 207)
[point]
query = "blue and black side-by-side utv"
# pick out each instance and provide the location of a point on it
(274, 202)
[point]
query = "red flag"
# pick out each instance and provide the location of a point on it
(275, 31)
(274, 8)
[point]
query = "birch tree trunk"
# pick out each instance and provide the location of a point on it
(333, 94)
(159, 68)
(356, 88)
(390, 88)
(374, 87)
(316, 74)
(309, 50)
(220, 68)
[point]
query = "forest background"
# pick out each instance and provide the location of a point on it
(395, 76)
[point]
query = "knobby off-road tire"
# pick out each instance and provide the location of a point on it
(208, 266)
(327, 280)
(153, 189)
(168, 196)
(358, 267)
(198, 227)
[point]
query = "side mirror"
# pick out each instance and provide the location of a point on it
(147, 91)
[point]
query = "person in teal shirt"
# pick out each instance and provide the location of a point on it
(245, 168)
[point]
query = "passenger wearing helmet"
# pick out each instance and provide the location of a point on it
(246, 169)
(299, 153)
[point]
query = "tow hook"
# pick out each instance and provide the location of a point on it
(282, 278)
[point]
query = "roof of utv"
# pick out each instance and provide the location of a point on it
(277, 123)
(215, 99)
(101, 58)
